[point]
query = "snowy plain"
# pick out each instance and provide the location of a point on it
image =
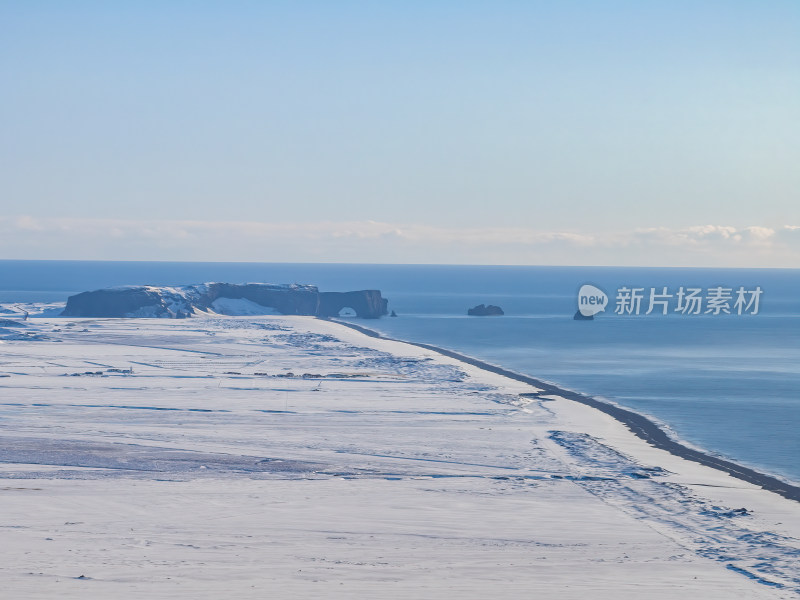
(289, 457)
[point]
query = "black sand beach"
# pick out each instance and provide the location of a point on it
(638, 424)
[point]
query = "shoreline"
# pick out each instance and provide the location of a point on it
(349, 464)
(638, 424)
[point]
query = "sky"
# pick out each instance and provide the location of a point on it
(504, 132)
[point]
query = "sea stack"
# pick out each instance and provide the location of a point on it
(483, 310)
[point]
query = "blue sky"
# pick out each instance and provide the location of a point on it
(663, 133)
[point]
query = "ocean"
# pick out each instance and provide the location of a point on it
(726, 383)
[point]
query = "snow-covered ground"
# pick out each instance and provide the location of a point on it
(288, 457)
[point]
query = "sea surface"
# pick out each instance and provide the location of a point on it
(727, 383)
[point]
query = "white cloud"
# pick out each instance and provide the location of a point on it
(370, 241)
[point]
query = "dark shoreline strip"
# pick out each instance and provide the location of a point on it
(638, 424)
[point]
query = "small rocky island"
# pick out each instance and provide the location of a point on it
(223, 298)
(483, 310)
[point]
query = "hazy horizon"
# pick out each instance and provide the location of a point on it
(614, 133)
(388, 264)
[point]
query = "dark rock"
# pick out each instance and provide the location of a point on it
(181, 302)
(286, 299)
(394, 314)
(116, 302)
(485, 311)
(368, 304)
(579, 316)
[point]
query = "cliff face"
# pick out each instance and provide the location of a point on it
(368, 304)
(121, 302)
(181, 302)
(286, 299)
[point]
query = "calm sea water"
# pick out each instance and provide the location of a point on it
(727, 383)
